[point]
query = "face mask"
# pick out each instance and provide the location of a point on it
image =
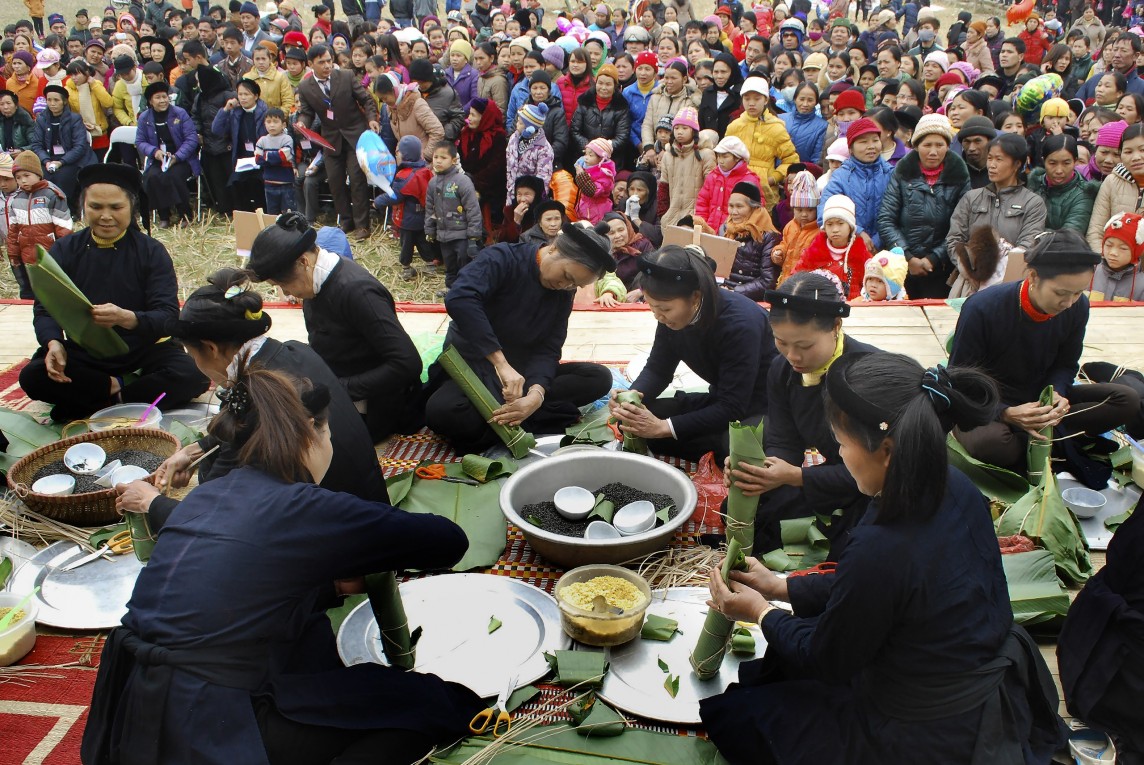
(788, 93)
(843, 127)
(814, 35)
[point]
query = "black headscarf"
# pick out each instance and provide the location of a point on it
(736, 78)
(648, 208)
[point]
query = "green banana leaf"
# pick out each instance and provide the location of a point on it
(743, 642)
(591, 430)
(1041, 450)
(5, 571)
(1043, 516)
(994, 482)
(746, 442)
(595, 718)
(518, 440)
(659, 628)
(1113, 522)
(1035, 592)
(633, 444)
(561, 745)
(485, 469)
(71, 309)
(476, 509)
(603, 510)
(577, 668)
(804, 546)
(25, 433)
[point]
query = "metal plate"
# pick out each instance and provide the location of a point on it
(1119, 500)
(19, 551)
(92, 597)
(453, 611)
(634, 682)
(195, 416)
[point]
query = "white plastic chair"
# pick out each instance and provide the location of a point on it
(122, 134)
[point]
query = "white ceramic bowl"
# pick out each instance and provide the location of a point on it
(128, 417)
(1085, 503)
(574, 502)
(19, 638)
(85, 459)
(634, 518)
(601, 530)
(128, 473)
(55, 485)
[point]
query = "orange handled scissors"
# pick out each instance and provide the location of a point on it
(497, 715)
(437, 473)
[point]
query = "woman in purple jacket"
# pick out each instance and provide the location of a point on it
(460, 74)
(167, 141)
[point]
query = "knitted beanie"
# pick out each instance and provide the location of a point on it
(1126, 227)
(5, 165)
(602, 148)
(462, 47)
(803, 190)
(665, 122)
(1055, 107)
(409, 147)
(890, 268)
(27, 160)
(932, 124)
(647, 58)
(250, 8)
(554, 55)
(840, 207)
(862, 127)
(850, 99)
(23, 55)
(749, 190)
(938, 57)
(609, 70)
(687, 116)
(949, 78)
(1110, 134)
(534, 114)
(839, 150)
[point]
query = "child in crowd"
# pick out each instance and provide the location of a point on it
(731, 169)
(652, 161)
(863, 179)
(885, 276)
(683, 167)
(769, 147)
(836, 154)
(803, 227)
(595, 176)
(8, 189)
(152, 72)
(1054, 118)
(37, 214)
(748, 223)
(520, 213)
(529, 152)
(274, 153)
(1116, 277)
(838, 250)
(452, 213)
(410, 183)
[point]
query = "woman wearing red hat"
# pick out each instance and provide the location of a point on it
(639, 93)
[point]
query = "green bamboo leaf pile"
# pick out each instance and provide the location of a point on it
(804, 546)
(994, 482)
(746, 443)
(707, 656)
(25, 435)
(485, 469)
(518, 440)
(1035, 592)
(1043, 516)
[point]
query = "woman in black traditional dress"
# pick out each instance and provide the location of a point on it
(806, 318)
(166, 137)
(915, 657)
(724, 337)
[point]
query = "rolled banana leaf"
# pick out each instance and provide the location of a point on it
(517, 439)
(707, 657)
(1040, 451)
(485, 469)
(399, 644)
(71, 309)
(1042, 516)
(659, 628)
(633, 444)
(746, 447)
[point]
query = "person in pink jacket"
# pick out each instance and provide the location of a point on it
(731, 156)
(595, 176)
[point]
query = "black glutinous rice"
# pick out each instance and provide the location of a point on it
(85, 484)
(545, 515)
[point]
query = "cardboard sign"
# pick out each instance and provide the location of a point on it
(718, 248)
(247, 226)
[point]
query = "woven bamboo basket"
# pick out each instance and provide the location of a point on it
(95, 508)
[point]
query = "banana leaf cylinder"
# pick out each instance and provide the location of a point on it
(399, 644)
(746, 447)
(707, 657)
(633, 444)
(517, 439)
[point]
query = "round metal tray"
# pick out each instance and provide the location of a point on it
(92, 597)
(634, 682)
(453, 611)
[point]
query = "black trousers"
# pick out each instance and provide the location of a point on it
(693, 449)
(247, 191)
(352, 204)
(307, 193)
(1104, 372)
(216, 175)
(449, 413)
(411, 239)
(65, 178)
(402, 412)
(292, 743)
(163, 368)
(1094, 409)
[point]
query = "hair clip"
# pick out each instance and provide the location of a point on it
(253, 315)
(883, 426)
(232, 292)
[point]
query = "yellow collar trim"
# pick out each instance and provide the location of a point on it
(810, 379)
(105, 244)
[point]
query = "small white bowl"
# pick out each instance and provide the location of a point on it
(634, 518)
(85, 459)
(574, 502)
(601, 530)
(128, 473)
(55, 485)
(1085, 503)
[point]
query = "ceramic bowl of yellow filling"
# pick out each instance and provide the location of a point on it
(602, 605)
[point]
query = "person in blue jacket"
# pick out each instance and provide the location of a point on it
(863, 177)
(61, 142)
(722, 336)
(522, 91)
(167, 139)
(915, 657)
(638, 94)
(806, 126)
(225, 654)
(242, 121)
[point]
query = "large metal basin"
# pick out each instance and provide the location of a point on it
(592, 469)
